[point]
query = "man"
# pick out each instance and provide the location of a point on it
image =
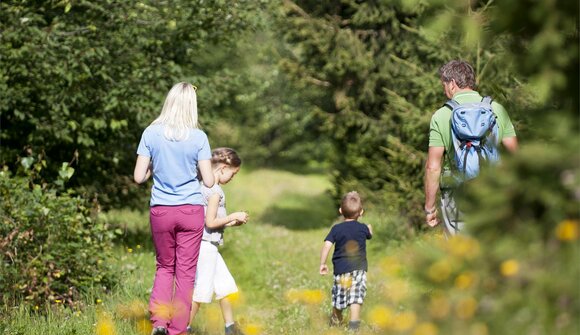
(458, 80)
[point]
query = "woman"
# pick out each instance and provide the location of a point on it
(172, 149)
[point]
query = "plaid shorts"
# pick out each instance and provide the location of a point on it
(349, 288)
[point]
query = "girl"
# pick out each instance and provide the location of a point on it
(172, 149)
(213, 276)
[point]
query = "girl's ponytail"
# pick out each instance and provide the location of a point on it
(223, 155)
(226, 156)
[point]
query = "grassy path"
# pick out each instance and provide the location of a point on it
(274, 259)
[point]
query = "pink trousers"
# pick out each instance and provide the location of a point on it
(177, 232)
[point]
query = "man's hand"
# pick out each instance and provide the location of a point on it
(323, 269)
(431, 218)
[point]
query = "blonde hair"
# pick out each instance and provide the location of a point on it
(179, 113)
(351, 205)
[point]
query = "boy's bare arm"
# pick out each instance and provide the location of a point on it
(323, 256)
(370, 228)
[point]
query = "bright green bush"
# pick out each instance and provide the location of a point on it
(52, 247)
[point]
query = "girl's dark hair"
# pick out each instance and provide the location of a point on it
(226, 156)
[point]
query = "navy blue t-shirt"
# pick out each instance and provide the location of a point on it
(350, 246)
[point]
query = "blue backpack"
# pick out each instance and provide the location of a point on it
(474, 132)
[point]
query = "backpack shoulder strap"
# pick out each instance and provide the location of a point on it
(451, 104)
(487, 100)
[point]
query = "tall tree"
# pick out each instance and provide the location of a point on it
(377, 68)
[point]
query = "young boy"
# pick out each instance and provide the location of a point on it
(349, 260)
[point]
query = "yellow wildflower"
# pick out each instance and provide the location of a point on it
(381, 316)
(426, 328)
(129, 250)
(162, 310)
(252, 329)
(391, 266)
(313, 296)
(567, 230)
(465, 280)
(144, 326)
(509, 268)
(351, 247)
(212, 316)
(305, 296)
(404, 321)
(346, 282)
(105, 325)
(236, 298)
(463, 246)
(439, 306)
(440, 270)
(397, 290)
(465, 308)
(479, 329)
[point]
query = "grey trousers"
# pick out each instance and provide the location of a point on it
(452, 217)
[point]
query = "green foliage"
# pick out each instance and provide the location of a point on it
(52, 246)
(80, 80)
(376, 74)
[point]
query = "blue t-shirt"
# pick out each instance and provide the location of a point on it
(350, 246)
(175, 180)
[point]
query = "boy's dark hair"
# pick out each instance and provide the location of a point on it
(226, 156)
(351, 205)
(460, 71)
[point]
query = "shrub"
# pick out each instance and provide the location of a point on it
(52, 247)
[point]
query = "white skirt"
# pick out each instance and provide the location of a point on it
(213, 276)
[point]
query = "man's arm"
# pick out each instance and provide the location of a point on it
(510, 143)
(432, 174)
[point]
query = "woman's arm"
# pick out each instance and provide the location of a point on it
(206, 172)
(142, 170)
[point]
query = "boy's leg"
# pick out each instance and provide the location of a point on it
(188, 239)
(355, 312)
(354, 323)
(356, 295)
(336, 315)
(163, 234)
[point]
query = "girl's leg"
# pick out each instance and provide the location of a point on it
(224, 286)
(188, 235)
(162, 231)
(195, 306)
(227, 311)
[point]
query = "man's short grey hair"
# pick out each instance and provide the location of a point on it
(460, 71)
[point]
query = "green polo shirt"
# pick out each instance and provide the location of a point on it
(440, 127)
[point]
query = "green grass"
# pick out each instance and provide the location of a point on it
(275, 253)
